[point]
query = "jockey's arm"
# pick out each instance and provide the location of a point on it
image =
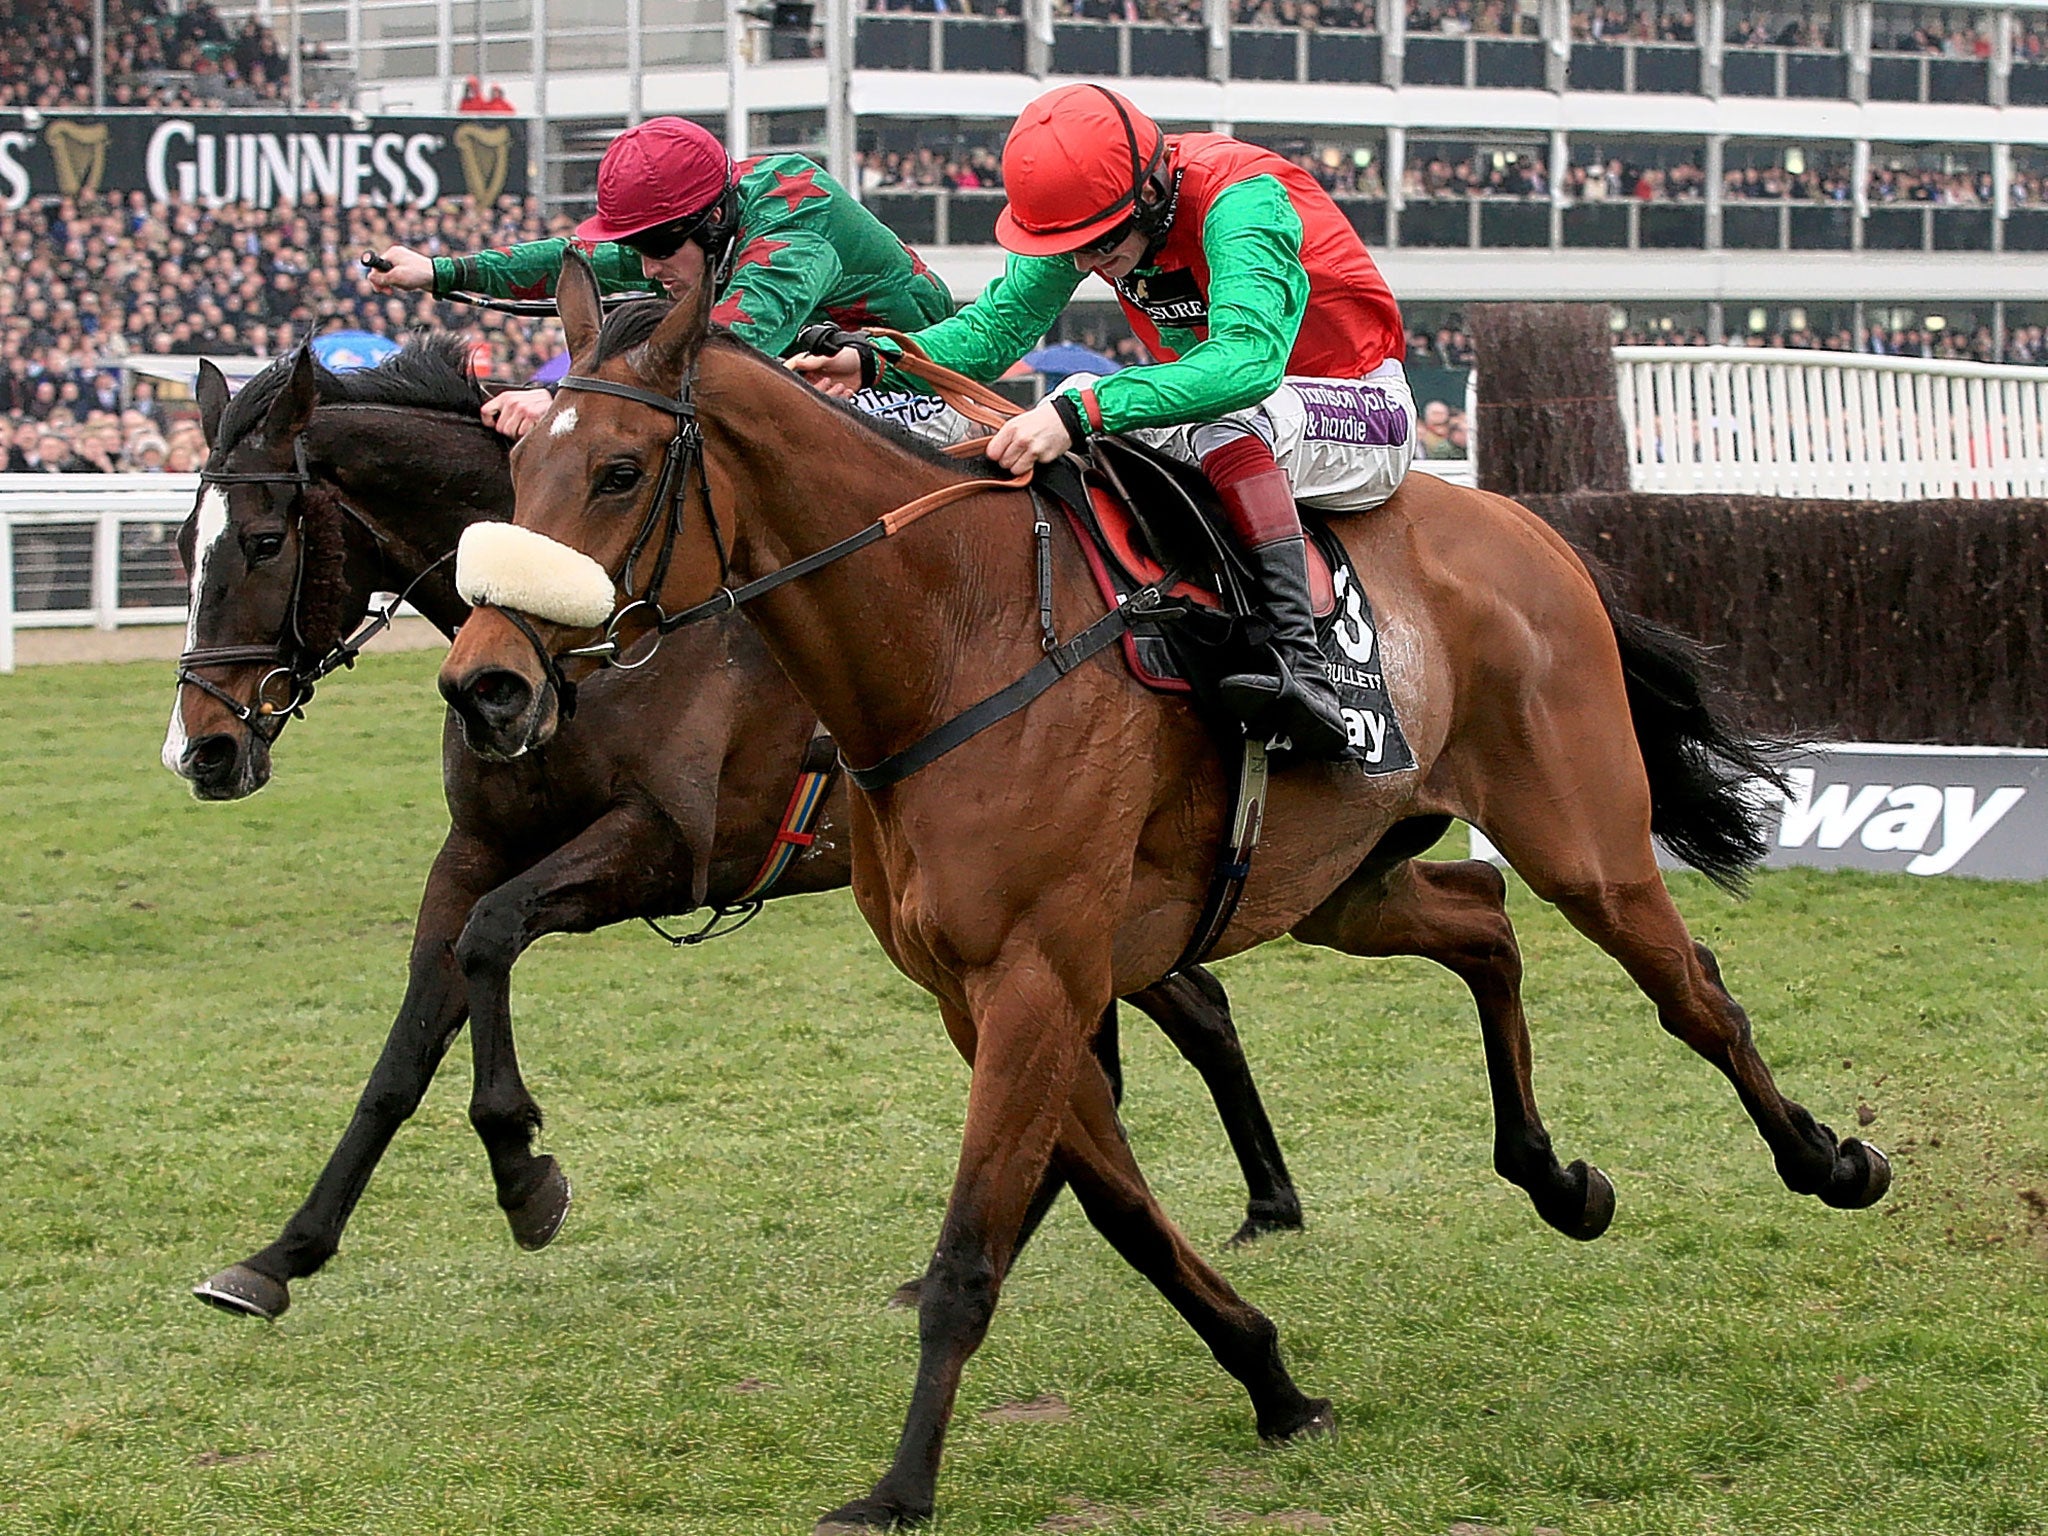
(988, 336)
(529, 271)
(1258, 293)
(778, 287)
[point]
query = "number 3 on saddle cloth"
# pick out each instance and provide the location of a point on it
(1138, 514)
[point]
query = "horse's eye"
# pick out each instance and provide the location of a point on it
(265, 547)
(619, 478)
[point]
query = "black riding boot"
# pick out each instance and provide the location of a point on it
(1299, 703)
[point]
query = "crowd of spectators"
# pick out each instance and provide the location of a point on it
(1902, 32)
(1617, 23)
(82, 288)
(1473, 18)
(1781, 31)
(1431, 176)
(1351, 15)
(926, 169)
(153, 58)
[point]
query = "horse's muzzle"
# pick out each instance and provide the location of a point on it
(226, 765)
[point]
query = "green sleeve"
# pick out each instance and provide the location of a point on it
(529, 271)
(1258, 292)
(778, 286)
(1013, 312)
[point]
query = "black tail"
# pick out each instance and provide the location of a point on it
(1702, 764)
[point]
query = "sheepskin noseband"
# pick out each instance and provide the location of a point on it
(529, 572)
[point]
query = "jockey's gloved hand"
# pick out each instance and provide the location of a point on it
(823, 338)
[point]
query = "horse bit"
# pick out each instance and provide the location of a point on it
(263, 718)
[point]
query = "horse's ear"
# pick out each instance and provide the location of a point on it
(212, 389)
(576, 298)
(673, 347)
(293, 407)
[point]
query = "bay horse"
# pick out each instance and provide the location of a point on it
(663, 796)
(1061, 855)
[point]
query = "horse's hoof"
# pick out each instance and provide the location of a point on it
(537, 1218)
(1862, 1175)
(1315, 1418)
(1281, 1216)
(868, 1514)
(1596, 1202)
(246, 1293)
(907, 1296)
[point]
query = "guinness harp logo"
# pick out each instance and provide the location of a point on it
(79, 151)
(486, 156)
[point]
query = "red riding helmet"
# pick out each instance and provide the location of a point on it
(668, 168)
(1075, 167)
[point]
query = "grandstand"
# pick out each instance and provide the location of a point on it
(1862, 175)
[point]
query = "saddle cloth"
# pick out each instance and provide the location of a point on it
(1220, 630)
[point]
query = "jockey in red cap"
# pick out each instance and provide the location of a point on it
(784, 244)
(1280, 347)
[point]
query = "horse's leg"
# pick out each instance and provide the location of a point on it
(1193, 1011)
(1577, 828)
(1027, 1099)
(619, 866)
(1108, 1056)
(1456, 915)
(436, 1001)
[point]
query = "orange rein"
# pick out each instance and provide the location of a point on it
(977, 402)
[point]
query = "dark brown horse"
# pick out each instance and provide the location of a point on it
(1060, 857)
(663, 795)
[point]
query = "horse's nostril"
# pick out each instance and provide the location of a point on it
(211, 757)
(501, 696)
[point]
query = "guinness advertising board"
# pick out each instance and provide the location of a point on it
(1908, 810)
(220, 157)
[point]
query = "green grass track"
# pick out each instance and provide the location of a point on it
(761, 1135)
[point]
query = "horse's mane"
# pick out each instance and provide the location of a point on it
(630, 325)
(430, 373)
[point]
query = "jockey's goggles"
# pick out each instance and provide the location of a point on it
(664, 240)
(1109, 242)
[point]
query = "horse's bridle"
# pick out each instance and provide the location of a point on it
(287, 656)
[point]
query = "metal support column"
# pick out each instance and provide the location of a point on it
(1395, 173)
(99, 55)
(839, 125)
(1859, 190)
(1038, 38)
(1393, 40)
(2001, 58)
(636, 94)
(1860, 25)
(1713, 37)
(1716, 169)
(1560, 170)
(1216, 16)
(1555, 18)
(735, 80)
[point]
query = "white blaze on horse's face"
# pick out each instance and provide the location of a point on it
(212, 528)
(563, 424)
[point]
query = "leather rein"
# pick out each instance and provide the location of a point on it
(286, 657)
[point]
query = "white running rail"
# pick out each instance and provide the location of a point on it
(1750, 421)
(90, 552)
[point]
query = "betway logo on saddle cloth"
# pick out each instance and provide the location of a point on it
(1978, 811)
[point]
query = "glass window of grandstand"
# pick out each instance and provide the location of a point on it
(1328, 40)
(1349, 163)
(2026, 219)
(1930, 53)
(934, 181)
(1626, 192)
(1157, 38)
(1962, 331)
(2028, 86)
(399, 42)
(1439, 364)
(1790, 324)
(1475, 43)
(963, 36)
(2026, 335)
(1461, 193)
(491, 39)
(1650, 46)
(1784, 49)
(1777, 196)
(1659, 325)
(676, 32)
(1928, 197)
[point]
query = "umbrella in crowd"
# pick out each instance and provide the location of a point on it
(342, 351)
(1065, 357)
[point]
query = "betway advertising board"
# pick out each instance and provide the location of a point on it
(1979, 811)
(220, 157)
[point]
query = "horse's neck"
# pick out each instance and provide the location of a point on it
(879, 641)
(417, 479)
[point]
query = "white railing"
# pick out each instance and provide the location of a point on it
(90, 551)
(1745, 421)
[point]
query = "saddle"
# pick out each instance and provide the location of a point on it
(1137, 515)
